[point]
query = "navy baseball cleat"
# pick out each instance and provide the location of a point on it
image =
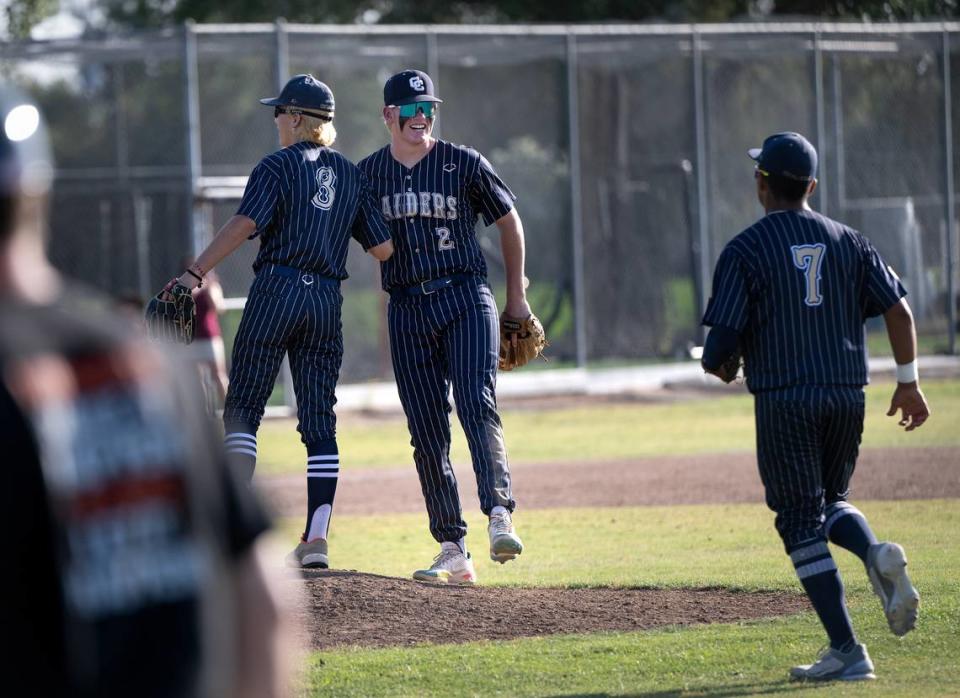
(887, 569)
(310, 555)
(505, 544)
(834, 665)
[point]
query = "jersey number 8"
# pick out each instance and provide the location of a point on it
(323, 199)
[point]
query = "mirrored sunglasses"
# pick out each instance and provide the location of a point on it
(408, 111)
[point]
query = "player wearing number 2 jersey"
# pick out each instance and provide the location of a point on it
(793, 292)
(304, 203)
(442, 316)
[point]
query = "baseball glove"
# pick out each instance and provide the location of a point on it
(170, 315)
(521, 340)
(730, 369)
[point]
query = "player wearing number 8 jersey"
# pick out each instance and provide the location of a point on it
(304, 203)
(442, 317)
(791, 293)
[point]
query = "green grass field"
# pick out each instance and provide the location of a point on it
(682, 546)
(689, 546)
(690, 426)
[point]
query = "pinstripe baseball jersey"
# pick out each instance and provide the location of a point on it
(304, 199)
(433, 209)
(797, 287)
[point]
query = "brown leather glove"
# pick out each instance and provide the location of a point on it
(520, 341)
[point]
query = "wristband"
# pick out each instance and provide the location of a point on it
(907, 373)
(196, 276)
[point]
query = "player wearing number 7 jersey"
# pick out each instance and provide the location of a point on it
(792, 291)
(304, 203)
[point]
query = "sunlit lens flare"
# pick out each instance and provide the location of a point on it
(22, 122)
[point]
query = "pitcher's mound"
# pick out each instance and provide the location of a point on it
(336, 608)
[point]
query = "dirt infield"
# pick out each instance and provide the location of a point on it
(342, 608)
(905, 473)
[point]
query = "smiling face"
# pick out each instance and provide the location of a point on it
(413, 131)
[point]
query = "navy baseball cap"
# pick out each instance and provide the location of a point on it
(307, 94)
(408, 87)
(787, 155)
(26, 166)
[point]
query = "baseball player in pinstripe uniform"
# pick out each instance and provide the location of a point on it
(304, 202)
(442, 316)
(791, 294)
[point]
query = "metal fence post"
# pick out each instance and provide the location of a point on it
(838, 140)
(576, 202)
(703, 213)
(821, 125)
(282, 61)
(949, 200)
(194, 159)
(433, 70)
(283, 52)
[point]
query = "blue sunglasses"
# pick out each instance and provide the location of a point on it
(408, 111)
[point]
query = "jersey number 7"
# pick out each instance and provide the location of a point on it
(809, 259)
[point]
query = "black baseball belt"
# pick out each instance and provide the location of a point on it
(307, 278)
(426, 288)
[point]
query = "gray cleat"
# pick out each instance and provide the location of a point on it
(834, 665)
(505, 544)
(310, 555)
(887, 569)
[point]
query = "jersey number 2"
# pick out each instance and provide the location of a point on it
(444, 242)
(323, 199)
(809, 259)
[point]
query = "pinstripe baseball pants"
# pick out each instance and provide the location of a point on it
(808, 438)
(298, 313)
(451, 337)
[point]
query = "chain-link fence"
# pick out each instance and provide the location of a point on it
(625, 145)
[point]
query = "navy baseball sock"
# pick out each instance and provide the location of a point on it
(821, 580)
(240, 443)
(847, 527)
(323, 470)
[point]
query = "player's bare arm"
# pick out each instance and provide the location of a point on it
(233, 234)
(383, 251)
(908, 399)
(512, 246)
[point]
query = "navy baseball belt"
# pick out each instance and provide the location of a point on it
(427, 288)
(307, 278)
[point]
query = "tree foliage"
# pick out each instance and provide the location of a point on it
(22, 15)
(141, 14)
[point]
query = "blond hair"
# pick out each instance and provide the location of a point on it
(315, 130)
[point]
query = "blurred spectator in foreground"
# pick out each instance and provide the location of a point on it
(129, 548)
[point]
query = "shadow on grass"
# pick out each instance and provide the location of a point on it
(718, 692)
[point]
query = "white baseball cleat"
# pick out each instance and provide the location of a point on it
(451, 566)
(887, 569)
(834, 665)
(505, 544)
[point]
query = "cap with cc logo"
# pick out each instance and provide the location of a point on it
(408, 87)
